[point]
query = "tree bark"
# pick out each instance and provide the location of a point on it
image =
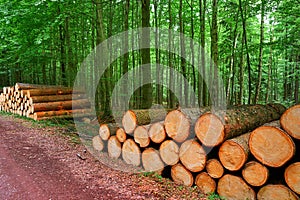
(275, 192)
(290, 121)
(255, 173)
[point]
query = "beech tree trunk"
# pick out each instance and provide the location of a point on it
(255, 173)
(271, 146)
(212, 129)
(276, 192)
(233, 153)
(233, 187)
(292, 177)
(290, 121)
(169, 152)
(205, 183)
(181, 175)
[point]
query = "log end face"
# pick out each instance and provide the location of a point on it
(292, 177)
(205, 183)
(97, 143)
(255, 173)
(290, 121)
(275, 192)
(152, 161)
(129, 121)
(181, 175)
(141, 136)
(157, 132)
(214, 168)
(104, 132)
(169, 152)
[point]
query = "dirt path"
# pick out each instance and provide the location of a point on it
(39, 163)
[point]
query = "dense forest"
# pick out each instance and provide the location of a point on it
(254, 45)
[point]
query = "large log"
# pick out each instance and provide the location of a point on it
(98, 144)
(292, 177)
(121, 135)
(114, 147)
(169, 152)
(50, 91)
(255, 173)
(141, 136)
(205, 183)
(53, 98)
(213, 129)
(271, 146)
(61, 105)
(131, 153)
(152, 161)
(49, 114)
(233, 153)
(276, 192)
(290, 121)
(107, 130)
(157, 132)
(181, 175)
(234, 188)
(24, 86)
(133, 118)
(214, 168)
(192, 155)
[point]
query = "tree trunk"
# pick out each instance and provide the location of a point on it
(292, 176)
(141, 136)
(255, 173)
(49, 114)
(233, 153)
(271, 146)
(152, 161)
(290, 121)
(169, 152)
(157, 132)
(192, 156)
(53, 98)
(213, 129)
(26, 86)
(50, 91)
(131, 153)
(233, 188)
(114, 147)
(205, 183)
(214, 168)
(275, 192)
(181, 175)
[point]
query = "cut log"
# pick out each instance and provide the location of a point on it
(114, 147)
(61, 105)
(234, 188)
(290, 121)
(292, 177)
(50, 91)
(24, 86)
(214, 168)
(192, 156)
(141, 136)
(133, 118)
(48, 114)
(276, 192)
(152, 161)
(205, 183)
(121, 135)
(169, 152)
(107, 130)
(271, 146)
(233, 153)
(53, 98)
(131, 153)
(255, 173)
(181, 175)
(213, 129)
(98, 144)
(157, 132)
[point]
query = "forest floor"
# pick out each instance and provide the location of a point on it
(38, 161)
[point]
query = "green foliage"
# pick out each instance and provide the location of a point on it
(214, 196)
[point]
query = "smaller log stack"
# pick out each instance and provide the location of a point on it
(247, 144)
(41, 102)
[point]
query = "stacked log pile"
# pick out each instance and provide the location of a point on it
(44, 101)
(234, 152)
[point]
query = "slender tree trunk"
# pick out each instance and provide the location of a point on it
(126, 44)
(171, 97)
(192, 98)
(297, 73)
(241, 73)
(62, 53)
(260, 62)
(270, 66)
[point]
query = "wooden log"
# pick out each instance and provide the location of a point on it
(98, 144)
(114, 147)
(107, 130)
(131, 153)
(276, 192)
(53, 98)
(292, 177)
(152, 161)
(192, 156)
(205, 183)
(233, 153)
(61, 105)
(213, 129)
(271, 146)
(169, 152)
(255, 173)
(214, 168)
(181, 175)
(24, 86)
(133, 118)
(121, 135)
(157, 132)
(234, 188)
(141, 136)
(290, 121)
(50, 91)
(49, 114)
